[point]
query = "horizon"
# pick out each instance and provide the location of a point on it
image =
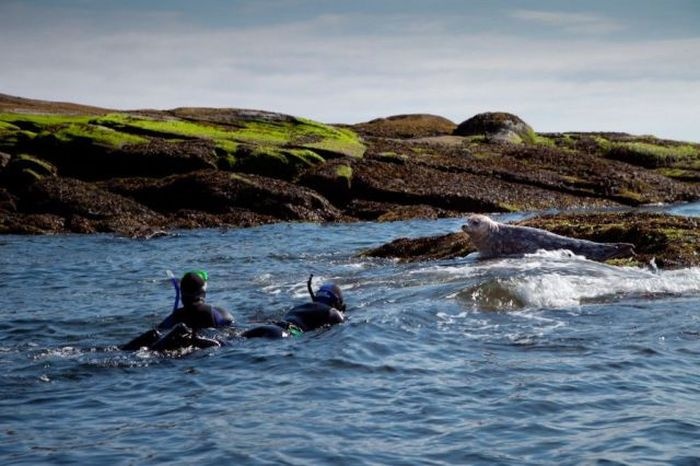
(625, 66)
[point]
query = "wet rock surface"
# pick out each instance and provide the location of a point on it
(71, 168)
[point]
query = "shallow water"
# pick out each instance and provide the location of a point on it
(548, 359)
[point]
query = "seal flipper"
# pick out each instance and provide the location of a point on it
(616, 250)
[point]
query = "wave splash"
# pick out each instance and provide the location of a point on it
(559, 279)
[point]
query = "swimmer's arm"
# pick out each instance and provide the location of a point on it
(168, 322)
(335, 316)
(221, 317)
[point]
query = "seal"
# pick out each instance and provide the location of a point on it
(493, 239)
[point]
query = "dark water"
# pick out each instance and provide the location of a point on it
(548, 359)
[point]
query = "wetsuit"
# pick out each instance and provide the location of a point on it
(185, 321)
(197, 316)
(302, 318)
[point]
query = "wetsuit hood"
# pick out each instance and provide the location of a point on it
(330, 294)
(194, 287)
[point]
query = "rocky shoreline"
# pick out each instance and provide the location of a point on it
(71, 168)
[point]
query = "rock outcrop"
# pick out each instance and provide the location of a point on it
(71, 168)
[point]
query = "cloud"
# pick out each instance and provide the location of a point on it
(327, 68)
(578, 23)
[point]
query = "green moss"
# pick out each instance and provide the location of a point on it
(508, 207)
(11, 135)
(162, 128)
(659, 152)
(572, 180)
(603, 144)
(6, 126)
(514, 138)
(32, 174)
(651, 155)
(530, 137)
(39, 122)
(243, 179)
(273, 147)
(633, 196)
(341, 140)
(305, 157)
(296, 133)
(543, 140)
(226, 162)
(680, 174)
(344, 171)
(97, 135)
(38, 164)
(391, 157)
(344, 174)
(476, 139)
(482, 155)
(226, 146)
(625, 262)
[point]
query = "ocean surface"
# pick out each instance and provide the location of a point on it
(547, 359)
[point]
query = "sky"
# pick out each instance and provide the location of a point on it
(567, 65)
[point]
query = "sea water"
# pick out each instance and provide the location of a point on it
(547, 359)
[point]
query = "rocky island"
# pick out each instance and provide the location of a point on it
(73, 168)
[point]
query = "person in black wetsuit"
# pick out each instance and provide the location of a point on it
(187, 320)
(327, 308)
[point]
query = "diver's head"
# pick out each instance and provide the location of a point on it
(193, 286)
(330, 294)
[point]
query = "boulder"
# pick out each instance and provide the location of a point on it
(497, 127)
(406, 126)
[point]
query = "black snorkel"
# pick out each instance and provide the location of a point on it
(308, 287)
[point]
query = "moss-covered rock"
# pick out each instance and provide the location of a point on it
(333, 180)
(25, 169)
(497, 126)
(276, 162)
(406, 126)
(407, 166)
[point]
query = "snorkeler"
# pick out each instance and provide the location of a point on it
(325, 309)
(187, 320)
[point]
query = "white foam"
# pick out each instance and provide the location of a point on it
(557, 279)
(566, 290)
